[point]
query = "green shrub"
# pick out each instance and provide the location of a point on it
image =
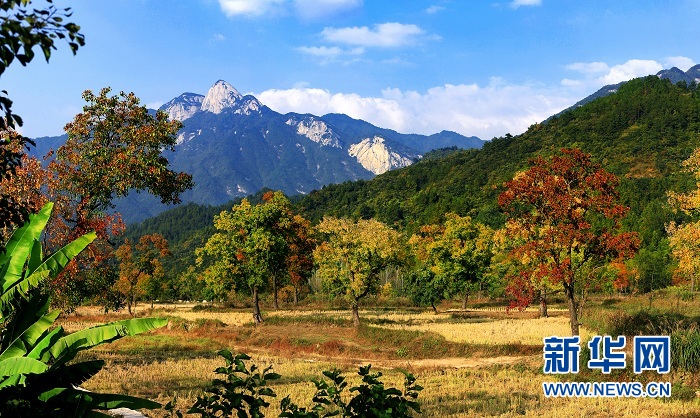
(244, 392)
(685, 350)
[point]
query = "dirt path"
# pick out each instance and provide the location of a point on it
(413, 364)
(457, 362)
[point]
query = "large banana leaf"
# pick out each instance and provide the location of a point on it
(36, 256)
(56, 262)
(19, 291)
(23, 315)
(85, 401)
(50, 267)
(68, 346)
(21, 365)
(41, 349)
(26, 340)
(20, 244)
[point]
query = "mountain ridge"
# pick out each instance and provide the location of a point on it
(673, 74)
(234, 145)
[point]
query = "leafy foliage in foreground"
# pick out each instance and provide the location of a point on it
(36, 376)
(242, 392)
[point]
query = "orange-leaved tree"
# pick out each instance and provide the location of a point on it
(141, 269)
(565, 217)
(114, 147)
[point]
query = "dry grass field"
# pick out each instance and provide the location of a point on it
(469, 363)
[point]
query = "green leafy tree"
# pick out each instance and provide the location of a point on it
(457, 254)
(351, 256)
(114, 147)
(38, 374)
(252, 247)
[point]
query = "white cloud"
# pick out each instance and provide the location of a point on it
(328, 51)
(598, 74)
(469, 109)
(218, 37)
(486, 111)
(434, 9)
(518, 3)
(683, 63)
(305, 9)
(321, 51)
(250, 7)
(318, 9)
(385, 35)
(632, 69)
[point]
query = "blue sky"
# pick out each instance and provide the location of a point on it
(481, 68)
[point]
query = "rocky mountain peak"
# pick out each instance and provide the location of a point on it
(375, 156)
(183, 106)
(220, 96)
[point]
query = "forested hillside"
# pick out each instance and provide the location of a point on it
(642, 133)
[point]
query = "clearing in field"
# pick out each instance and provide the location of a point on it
(469, 363)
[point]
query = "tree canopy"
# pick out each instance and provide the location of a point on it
(352, 254)
(565, 214)
(21, 29)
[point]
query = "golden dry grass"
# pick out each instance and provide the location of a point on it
(468, 392)
(476, 388)
(498, 332)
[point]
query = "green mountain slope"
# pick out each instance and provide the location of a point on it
(641, 133)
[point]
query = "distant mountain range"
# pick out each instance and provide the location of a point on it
(642, 134)
(234, 146)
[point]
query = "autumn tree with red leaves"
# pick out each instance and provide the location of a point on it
(564, 220)
(114, 147)
(141, 269)
(300, 260)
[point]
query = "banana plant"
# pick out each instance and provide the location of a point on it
(37, 377)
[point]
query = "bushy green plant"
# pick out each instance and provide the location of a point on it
(371, 399)
(36, 376)
(243, 393)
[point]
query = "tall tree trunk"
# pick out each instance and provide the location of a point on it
(296, 295)
(257, 318)
(275, 304)
(464, 301)
(355, 315)
(543, 305)
(432, 304)
(573, 310)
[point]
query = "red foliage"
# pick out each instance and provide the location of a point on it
(565, 217)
